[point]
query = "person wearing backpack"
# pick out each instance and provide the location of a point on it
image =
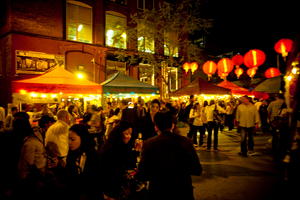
(187, 118)
(213, 123)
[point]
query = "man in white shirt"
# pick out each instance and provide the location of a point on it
(211, 123)
(56, 138)
(247, 118)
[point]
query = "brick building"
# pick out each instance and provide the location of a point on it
(37, 35)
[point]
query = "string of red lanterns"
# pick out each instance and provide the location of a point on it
(209, 68)
(238, 60)
(193, 67)
(283, 46)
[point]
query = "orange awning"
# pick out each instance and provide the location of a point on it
(56, 81)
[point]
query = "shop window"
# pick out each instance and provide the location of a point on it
(145, 37)
(170, 38)
(145, 4)
(146, 74)
(113, 67)
(79, 22)
(115, 25)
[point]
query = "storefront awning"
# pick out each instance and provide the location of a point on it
(270, 85)
(235, 89)
(200, 86)
(57, 80)
(122, 83)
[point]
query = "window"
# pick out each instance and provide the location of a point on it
(115, 24)
(79, 22)
(145, 38)
(145, 4)
(170, 40)
(146, 73)
(113, 67)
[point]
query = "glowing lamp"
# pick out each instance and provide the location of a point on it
(238, 60)
(254, 58)
(22, 91)
(272, 72)
(186, 67)
(238, 72)
(283, 46)
(251, 72)
(225, 65)
(193, 67)
(80, 76)
(209, 68)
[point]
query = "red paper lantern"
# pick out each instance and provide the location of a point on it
(254, 58)
(283, 46)
(225, 65)
(251, 72)
(238, 60)
(238, 72)
(186, 67)
(272, 72)
(222, 75)
(209, 68)
(193, 67)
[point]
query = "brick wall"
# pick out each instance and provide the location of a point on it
(42, 17)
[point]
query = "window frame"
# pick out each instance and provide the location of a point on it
(77, 3)
(144, 4)
(118, 15)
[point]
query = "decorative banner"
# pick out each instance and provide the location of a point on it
(35, 98)
(28, 62)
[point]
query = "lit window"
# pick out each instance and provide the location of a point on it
(79, 22)
(145, 4)
(113, 67)
(146, 73)
(145, 38)
(170, 41)
(115, 25)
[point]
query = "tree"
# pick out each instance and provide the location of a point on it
(168, 28)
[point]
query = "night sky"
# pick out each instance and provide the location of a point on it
(240, 26)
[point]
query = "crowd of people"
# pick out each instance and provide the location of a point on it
(113, 153)
(127, 150)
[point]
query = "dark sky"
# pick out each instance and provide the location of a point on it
(241, 25)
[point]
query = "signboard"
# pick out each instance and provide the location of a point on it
(28, 62)
(35, 98)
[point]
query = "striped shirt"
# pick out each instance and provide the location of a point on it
(274, 107)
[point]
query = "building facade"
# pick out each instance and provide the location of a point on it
(38, 35)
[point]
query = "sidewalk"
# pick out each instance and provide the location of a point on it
(227, 175)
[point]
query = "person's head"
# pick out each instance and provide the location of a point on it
(71, 109)
(92, 109)
(205, 103)
(280, 96)
(79, 138)
(212, 102)
(123, 103)
(45, 122)
(141, 101)
(121, 133)
(245, 100)
(21, 125)
(182, 105)
(238, 101)
(155, 106)
(108, 105)
(192, 98)
(196, 106)
(264, 102)
(163, 122)
(63, 115)
(44, 107)
(100, 109)
(14, 110)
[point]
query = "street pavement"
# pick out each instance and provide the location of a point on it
(227, 175)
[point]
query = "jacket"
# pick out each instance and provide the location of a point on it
(33, 153)
(167, 162)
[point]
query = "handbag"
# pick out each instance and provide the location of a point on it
(218, 119)
(278, 121)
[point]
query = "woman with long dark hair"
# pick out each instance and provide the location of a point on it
(72, 110)
(196, 114)
(147, 122)
(115, 158)
(81, 173)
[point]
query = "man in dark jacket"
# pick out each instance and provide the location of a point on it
(168, 161)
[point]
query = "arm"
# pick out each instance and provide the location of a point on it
(257, 118)
(237, 118)
(219, 108)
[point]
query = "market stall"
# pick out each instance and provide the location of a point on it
(123, 86)
(202, 90)
(238, 91)
(53, 87)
